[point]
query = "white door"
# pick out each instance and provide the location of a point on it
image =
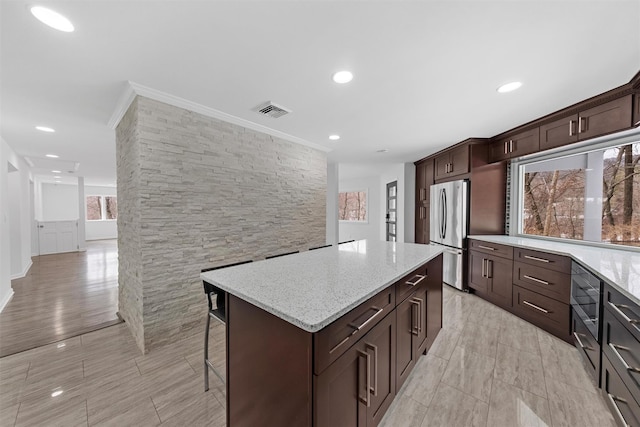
(57, 236)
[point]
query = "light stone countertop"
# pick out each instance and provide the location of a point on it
(618, 267)
(313, 288)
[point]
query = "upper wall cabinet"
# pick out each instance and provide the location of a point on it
(515, 145)
(610, 117)
(453, 162)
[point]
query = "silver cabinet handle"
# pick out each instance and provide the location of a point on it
(617, 308)
(511, 146)
(367, 399)
(577, 337)
(414, 318)
(582, 128)
(484, 260)
(615, 348)
(570, 127)
(366, 322)
(489, 269)
(613, 399)
(535, 307)
(374, 389)
(536, 280)
(535, 258)
(505, 148)
(419, 300)
(335, 347)
(489, 248)
(421, 278)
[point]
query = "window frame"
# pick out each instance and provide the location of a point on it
(516, 190)
(350, 221)
(103, 207)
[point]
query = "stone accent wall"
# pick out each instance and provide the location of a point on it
(130, 295)
(202, 193)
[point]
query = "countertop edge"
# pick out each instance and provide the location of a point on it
(312, 328)
(609, 281)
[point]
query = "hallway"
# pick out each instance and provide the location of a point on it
(62, 296)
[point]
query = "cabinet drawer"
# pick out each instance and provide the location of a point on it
(623, 351)
(543, 259)
(625, 310)
(547, 313)
(624, 408)
(410, 283)
(339, 336)
(550, 283)
(587, 345)
(491, 248)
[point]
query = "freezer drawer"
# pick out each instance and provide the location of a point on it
(452, 262)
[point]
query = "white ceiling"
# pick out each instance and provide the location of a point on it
(426, 72)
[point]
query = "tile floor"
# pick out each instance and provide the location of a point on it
(486, 368)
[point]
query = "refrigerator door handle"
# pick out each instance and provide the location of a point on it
(444, 204)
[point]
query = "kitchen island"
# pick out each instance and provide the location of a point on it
(326, 337)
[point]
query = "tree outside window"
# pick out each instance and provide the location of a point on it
(352, 206)
(102, 208)
(592, 196)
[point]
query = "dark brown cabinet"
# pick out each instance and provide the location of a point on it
(515, 145)
(424, 180)
(418, 317)
(606, 118)
(452, 163)
(490, 275)
(357, 389)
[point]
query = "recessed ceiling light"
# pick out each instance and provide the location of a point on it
(343, 77)
(45, 129)
(52, 19)
(509, 87)
(334, 137)
(52, 156)
(384, 150)
(56, 171)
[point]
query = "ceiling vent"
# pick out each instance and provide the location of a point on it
(272, 110)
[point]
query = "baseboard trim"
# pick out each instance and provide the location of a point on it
(24, 272)
(4, 303)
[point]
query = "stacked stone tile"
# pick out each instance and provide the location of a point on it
(196, 192)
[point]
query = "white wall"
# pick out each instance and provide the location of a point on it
(59, 202)
(98, 230)
(15, 219)
(365, 230)
(5, 249)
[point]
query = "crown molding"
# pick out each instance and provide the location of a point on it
(134, 89)
(125, 100)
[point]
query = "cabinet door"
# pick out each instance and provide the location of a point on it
(358, 388)
(558, 133)
(499, 273)
(422, 224)
(406, 343)
(340, 391)
(477, 275)
(606, 118)
(636, 109)
(442, 166)
(525, 143)
(380, 345)
(499, 150)
(459, 161)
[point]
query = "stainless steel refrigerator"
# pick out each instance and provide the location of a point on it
(448, 227)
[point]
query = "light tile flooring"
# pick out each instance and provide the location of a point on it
(489, 368)
(486, 368)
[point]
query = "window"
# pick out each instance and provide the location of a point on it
(593, 195)
(102, 208)
(352, 206)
